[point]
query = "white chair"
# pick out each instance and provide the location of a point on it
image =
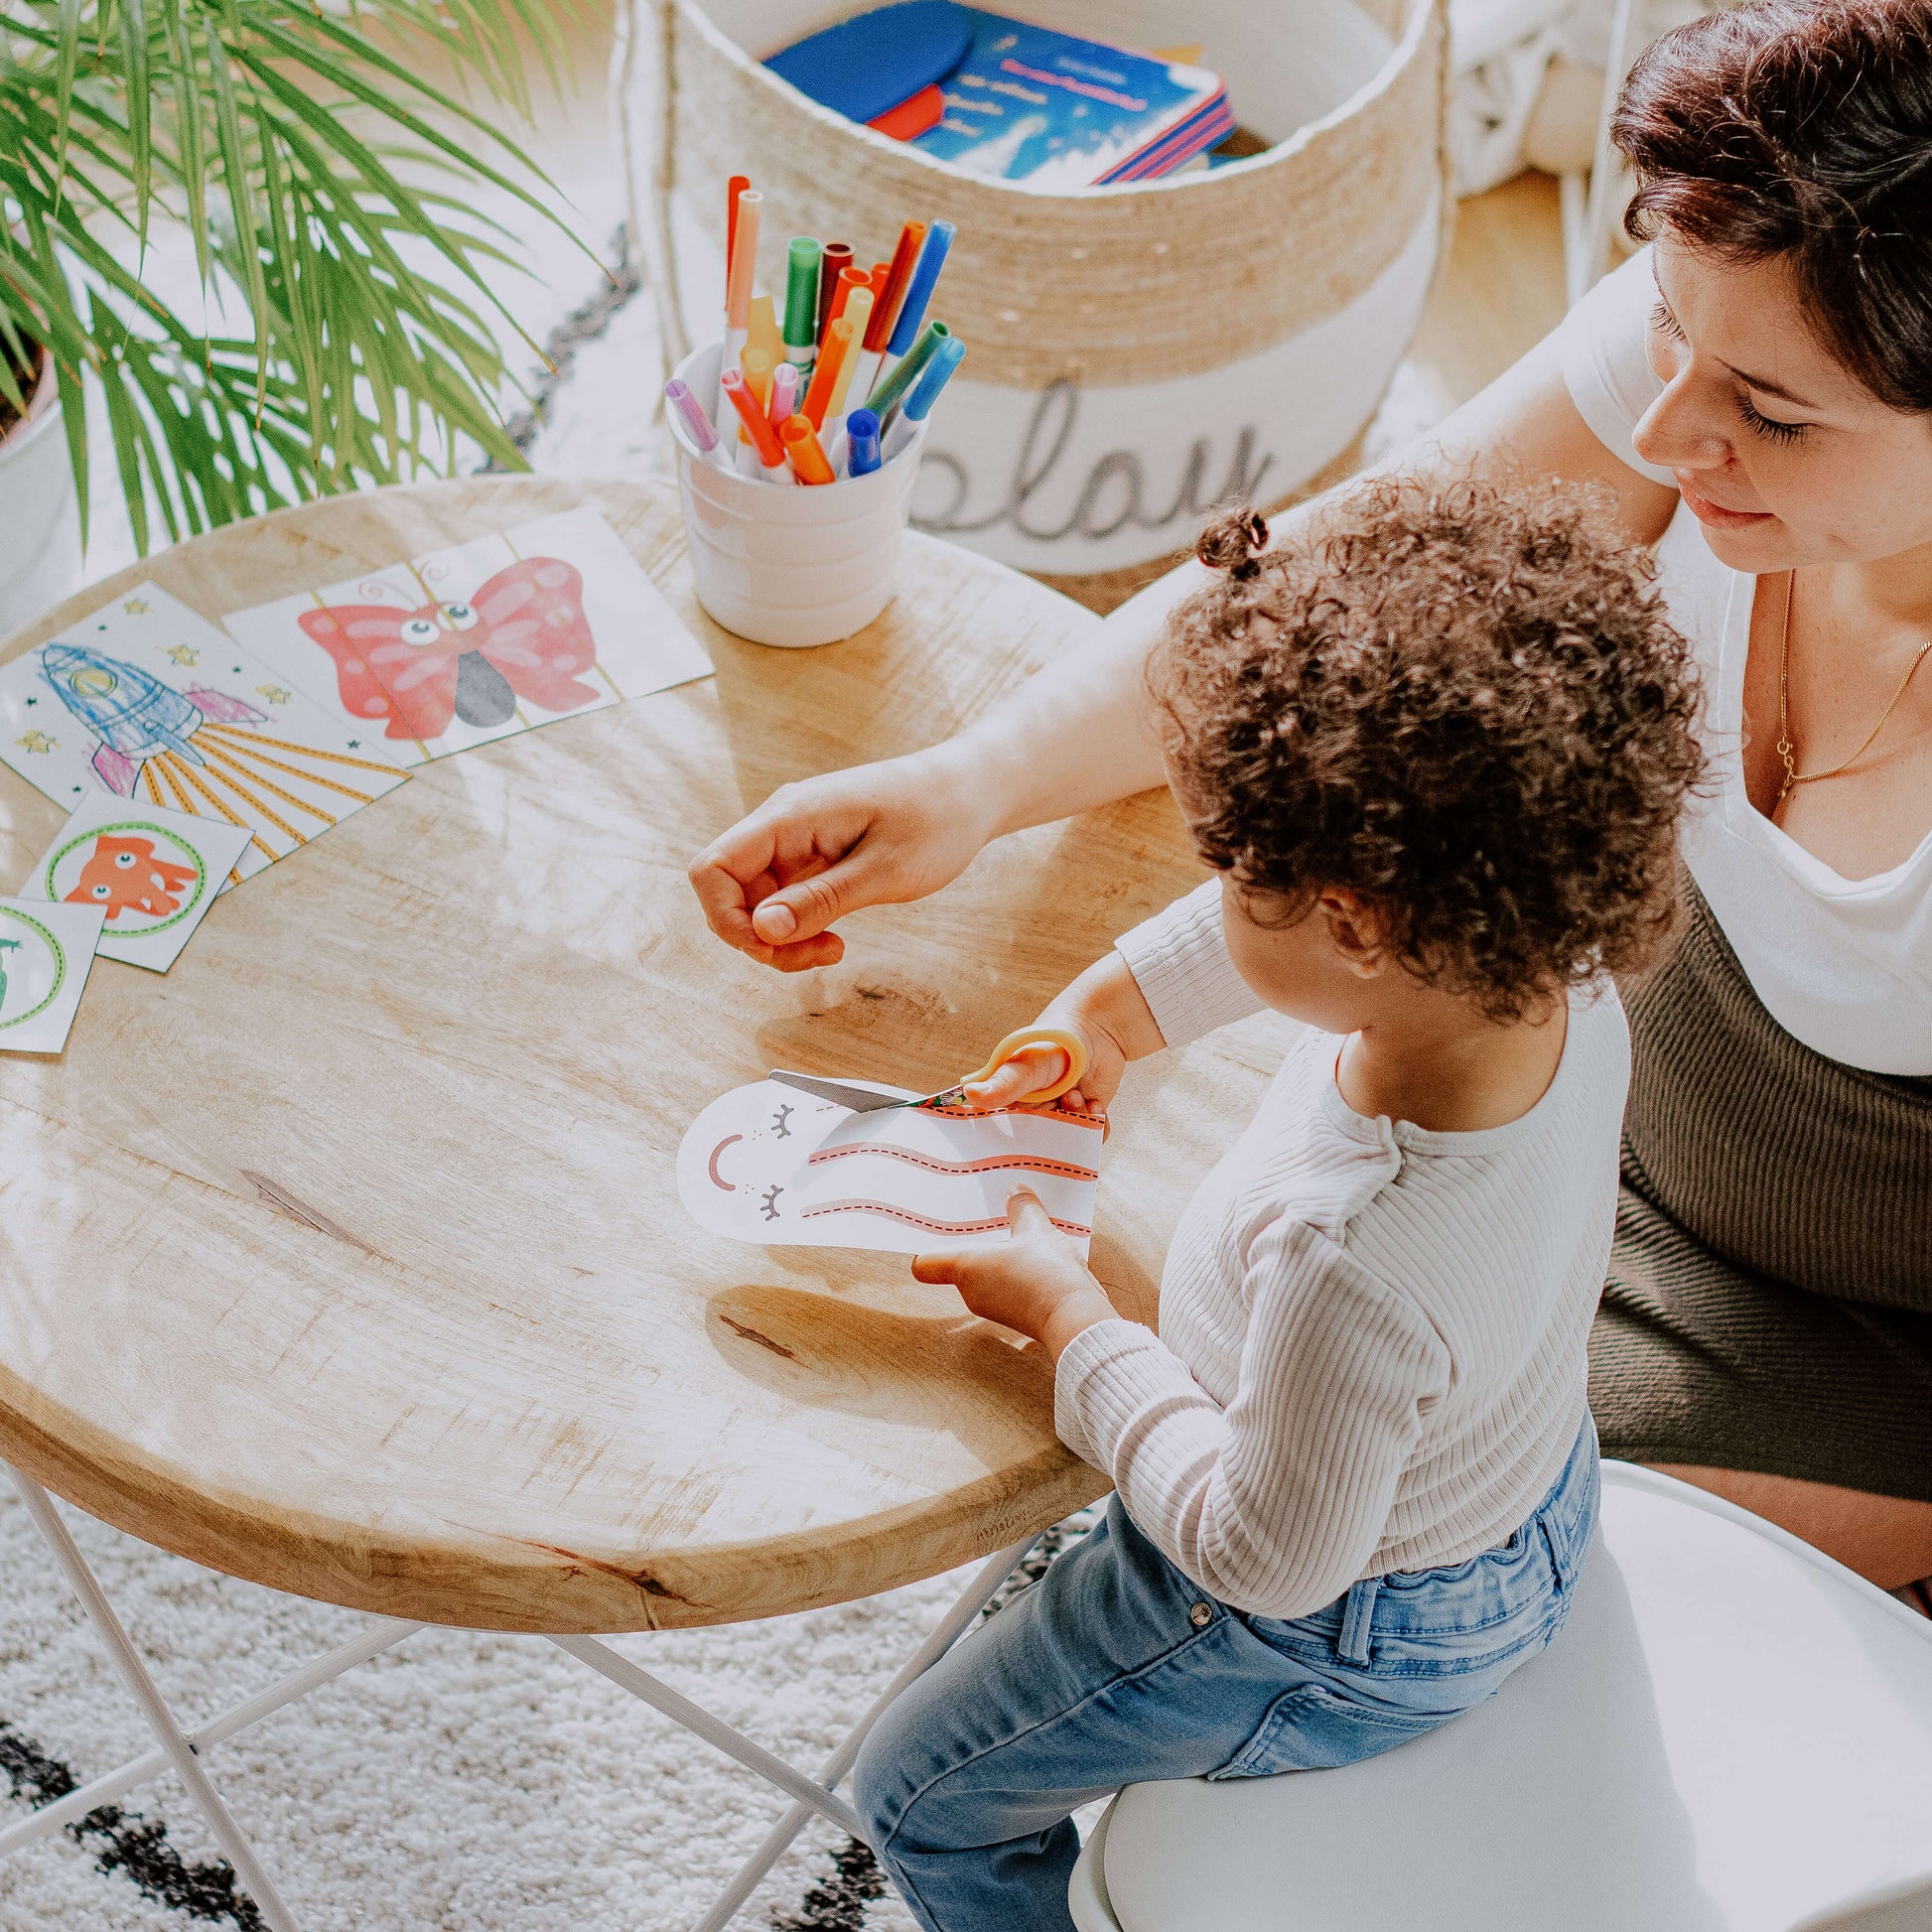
(1733, 1733)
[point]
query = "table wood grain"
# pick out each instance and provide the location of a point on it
(348, 1257)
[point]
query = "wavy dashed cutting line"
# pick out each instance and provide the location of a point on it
(1031, 1162)
(951, 1110)
(906, 1214)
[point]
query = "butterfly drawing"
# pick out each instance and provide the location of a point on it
(524, 635)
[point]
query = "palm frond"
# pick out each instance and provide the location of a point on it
(316, 166)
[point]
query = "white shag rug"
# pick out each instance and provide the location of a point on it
(462, 1782)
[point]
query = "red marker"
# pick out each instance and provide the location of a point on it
(833, 259)
(733, 189)
(757, 424)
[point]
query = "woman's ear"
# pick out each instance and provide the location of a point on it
(1357, 931)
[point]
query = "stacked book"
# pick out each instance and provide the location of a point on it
(998, 96)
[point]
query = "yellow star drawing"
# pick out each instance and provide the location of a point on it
(274, 693)
(38, 741)
(137, 607)
(183, 653)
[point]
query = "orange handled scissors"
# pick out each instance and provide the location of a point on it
(864, 1100)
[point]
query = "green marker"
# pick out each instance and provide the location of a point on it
(887, 396)
(801, 302)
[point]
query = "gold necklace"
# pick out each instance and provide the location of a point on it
(1793, 778)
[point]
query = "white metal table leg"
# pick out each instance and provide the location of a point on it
(694, 1718)
(134, 1673)
(978, 1593)
(381, 1634)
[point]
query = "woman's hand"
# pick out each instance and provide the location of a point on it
(877, 834)
(1104, 1006)
(1035, 1284)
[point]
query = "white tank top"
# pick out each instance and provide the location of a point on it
(1843, 964)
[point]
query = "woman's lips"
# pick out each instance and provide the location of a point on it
(1715, 514)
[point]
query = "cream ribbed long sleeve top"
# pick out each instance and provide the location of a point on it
(1372, 1337)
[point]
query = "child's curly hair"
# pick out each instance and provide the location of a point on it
(1461, 701)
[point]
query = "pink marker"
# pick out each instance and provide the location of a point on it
(785, 391)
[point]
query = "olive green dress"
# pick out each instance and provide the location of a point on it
(1769, 1302)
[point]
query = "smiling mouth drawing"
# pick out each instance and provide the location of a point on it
(718, 1180)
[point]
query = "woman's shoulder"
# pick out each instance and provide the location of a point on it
(1605, 362)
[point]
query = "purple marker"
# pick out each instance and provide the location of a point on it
(679, 396)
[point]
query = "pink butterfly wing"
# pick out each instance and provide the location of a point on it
(378, 675)
(536, 633)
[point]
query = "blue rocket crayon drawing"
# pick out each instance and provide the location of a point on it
(132, 713)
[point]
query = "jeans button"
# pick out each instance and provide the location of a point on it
(1202, 1616)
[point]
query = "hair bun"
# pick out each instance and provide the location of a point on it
(1234, 542)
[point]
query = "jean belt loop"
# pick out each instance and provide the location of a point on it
(1358, 1621)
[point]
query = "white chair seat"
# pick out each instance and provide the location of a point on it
(1733, 1733)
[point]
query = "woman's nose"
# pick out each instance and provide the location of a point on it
(1671, 435)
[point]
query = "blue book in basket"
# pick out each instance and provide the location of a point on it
(1062, 113)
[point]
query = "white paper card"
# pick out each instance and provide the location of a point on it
(771, 1165)
(146, 700)
(153, 874)
(494, 637)
(45, 953)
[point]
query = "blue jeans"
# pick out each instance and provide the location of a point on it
(1115, 1669)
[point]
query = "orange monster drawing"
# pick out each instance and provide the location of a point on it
(124, 874)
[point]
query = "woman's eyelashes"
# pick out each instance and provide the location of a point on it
(1769, 427)
(1755, 420)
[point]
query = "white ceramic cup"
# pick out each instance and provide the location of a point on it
(793, 567)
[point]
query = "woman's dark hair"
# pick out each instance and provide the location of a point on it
(1802, 130)
(1462, 702)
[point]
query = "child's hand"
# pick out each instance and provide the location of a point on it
(1037, 1284)
(1105, 1009)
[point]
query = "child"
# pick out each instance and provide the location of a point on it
(1436, 753)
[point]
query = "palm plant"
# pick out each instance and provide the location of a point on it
(345, 334)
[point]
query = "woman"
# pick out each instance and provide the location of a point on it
(1755, 392)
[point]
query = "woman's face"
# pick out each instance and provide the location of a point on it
(1781, 455)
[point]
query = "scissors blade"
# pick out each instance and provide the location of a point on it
(861, 1100)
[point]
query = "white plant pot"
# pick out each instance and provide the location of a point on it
(40, 514)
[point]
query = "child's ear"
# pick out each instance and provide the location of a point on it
(1357, 931)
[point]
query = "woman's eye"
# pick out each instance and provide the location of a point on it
(1665, 323)
(1769, 427)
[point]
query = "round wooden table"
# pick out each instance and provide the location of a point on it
(348, 1257)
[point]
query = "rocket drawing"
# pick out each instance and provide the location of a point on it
(131, 711)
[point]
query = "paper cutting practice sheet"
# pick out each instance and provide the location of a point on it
(144, 701)
(153, 874)
(46, 952)
(499, 636)
(771, 1165)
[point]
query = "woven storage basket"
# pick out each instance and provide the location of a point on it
(1137, 352)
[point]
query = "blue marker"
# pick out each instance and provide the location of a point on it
(861, 443)
(933, 378)
(919, 290)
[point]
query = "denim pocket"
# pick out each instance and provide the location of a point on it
(1314, 1729)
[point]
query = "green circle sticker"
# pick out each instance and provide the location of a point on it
(144, 878)
(33, 968)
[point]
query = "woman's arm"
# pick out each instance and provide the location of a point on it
(881, 834)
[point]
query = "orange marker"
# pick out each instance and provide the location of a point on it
(885, 302)
(757, 430)
(850, 281)
(834, 353)
(807, 459)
